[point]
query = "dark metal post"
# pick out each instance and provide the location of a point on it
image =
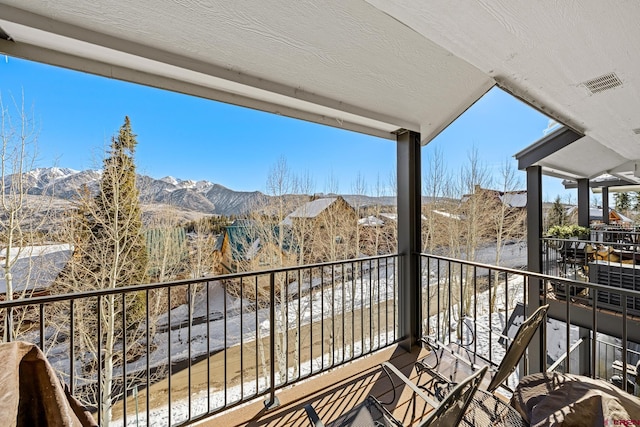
(583, 202)
(584, 353)
(273, 400)
(537, 358)
(605, 205)
(584, 363)
(409, 200)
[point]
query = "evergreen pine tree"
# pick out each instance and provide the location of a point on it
(557, 214)
(623, 202)
(110, 246)
(117, 225)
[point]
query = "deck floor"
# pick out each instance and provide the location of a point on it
(334, 393)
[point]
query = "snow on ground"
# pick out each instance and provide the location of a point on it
(243, 324)
(205, 401)
(311, 308)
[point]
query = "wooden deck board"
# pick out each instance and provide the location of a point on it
(333, 394)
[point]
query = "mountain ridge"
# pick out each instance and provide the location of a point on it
(198, 196)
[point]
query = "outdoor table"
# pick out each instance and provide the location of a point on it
(556, 399)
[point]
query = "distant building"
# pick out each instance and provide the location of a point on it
(248, 245)
(34, 269)
(513, 199)
(496, 211)
(595, 216)
(324, 229)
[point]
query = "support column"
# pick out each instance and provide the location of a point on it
(605, 205)
(409, 203)
(584, 351)
(583, 202)
(537, 348)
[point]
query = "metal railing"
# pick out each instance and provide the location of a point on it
(613, 260)
(474, 304)
(173, 353)
(182, 351)
(609, 364)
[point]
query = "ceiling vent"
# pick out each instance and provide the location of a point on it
(602, 83)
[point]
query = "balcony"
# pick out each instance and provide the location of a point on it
(255, 347)
(180, 356)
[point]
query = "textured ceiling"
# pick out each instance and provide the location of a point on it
(372, 66)
(543, 52)
(347, 57)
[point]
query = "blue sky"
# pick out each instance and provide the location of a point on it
(192, 138)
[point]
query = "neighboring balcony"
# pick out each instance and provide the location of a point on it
(234, 348)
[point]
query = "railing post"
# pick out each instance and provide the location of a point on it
(272, 402)
(8, 325)
(409, 200)
(605, 205)
(584, 352)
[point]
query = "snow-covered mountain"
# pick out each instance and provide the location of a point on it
(200, 196)
(188, 195)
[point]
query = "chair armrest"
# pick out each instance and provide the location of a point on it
(430, 342)
(388, 367)
(435, 345)
(314, 419)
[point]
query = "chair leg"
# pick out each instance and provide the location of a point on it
(313, 416)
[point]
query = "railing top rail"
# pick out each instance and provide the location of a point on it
(530, 274)
(176, 283)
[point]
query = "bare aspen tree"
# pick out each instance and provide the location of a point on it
(109, 253)
(19, 219)
(281, 182)
(508, 221)
(359, 189)
(167, 247)
(392, 184)
(332, 183)
(378, 228)
(434, 181)
(435, 184)
(452, 228)
(302, 228)
(474, 178)
(202, 260)
(168, 259)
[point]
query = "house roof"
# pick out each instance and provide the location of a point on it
(595, 214)
(36, 267)
(370, 221)
(389, 215)
(310, 209)
(514, 199)
(372, 66)
(247, 237)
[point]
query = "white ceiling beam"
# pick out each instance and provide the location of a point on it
(57, 58)
(11, 14)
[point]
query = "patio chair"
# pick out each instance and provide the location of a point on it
(448, 412)
(440, 351)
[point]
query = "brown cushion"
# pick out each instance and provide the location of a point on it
(31, 393)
